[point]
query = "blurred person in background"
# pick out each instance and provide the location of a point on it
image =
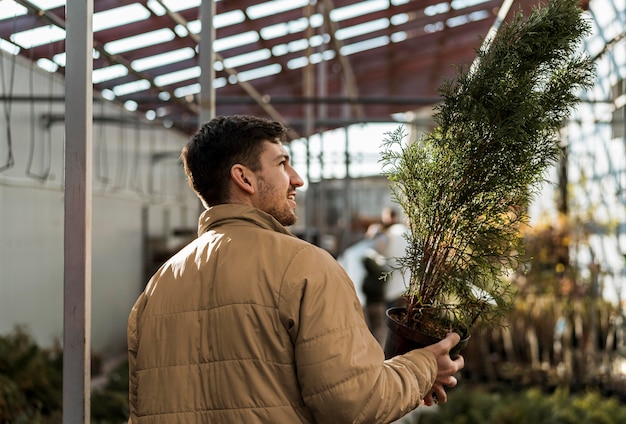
(375, 279)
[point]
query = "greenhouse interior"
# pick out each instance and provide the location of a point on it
(94, 197)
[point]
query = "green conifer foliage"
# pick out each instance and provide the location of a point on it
(466, 185)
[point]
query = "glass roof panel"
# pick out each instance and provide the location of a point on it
(139, 41)
(358, 9)
(174, 77)
(48, 4)
(273, 7)
(162, 59)
(131, 87)
(38, 36)
(362, 29)
(109, 73)
(237, 40)
(10, 9)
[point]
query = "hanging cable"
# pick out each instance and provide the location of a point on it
(151, 163)
(101, 163)
(121, 157)
(7, 105)
(46, 148)
(135, 172)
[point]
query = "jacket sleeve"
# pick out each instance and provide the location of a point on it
(132, 360)
(343, 375)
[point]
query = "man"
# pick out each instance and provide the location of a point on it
(248, 323)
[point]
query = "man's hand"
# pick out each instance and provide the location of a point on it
(446, 369)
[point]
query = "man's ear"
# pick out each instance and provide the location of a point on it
(243, 178)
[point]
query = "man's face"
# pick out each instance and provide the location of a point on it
(277, 183)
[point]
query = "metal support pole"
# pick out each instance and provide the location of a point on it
(77, 230)
(207, 62)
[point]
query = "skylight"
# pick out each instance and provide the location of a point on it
(261, 72)
(435, 27)
(297, 25)
(462, 4)
(131, 105)
(365, 45)
(228, 18)
(188, 90)
(399, 19)
(47, 4)
(162, 59)
(398, 37)
(108, 73)
(119, 16)
(275, 31)
(247, 58)
(156, 7)
(236, 41)
(38, 36)
(437, 9)
(178, 5)
(178, 76)
(47, 65)
(139, 41)
(269, 8)
(301, 62)
(358, 9)
(131, 87)
(192, 89)
(9, 47)
(364, 28)
(10, 9)
(464, 19)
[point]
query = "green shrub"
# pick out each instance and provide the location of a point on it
(30, 380)
(31, 385)
(478, 406)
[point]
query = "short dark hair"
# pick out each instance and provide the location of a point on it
(221, 143)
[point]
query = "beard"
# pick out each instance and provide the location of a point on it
(276, 204)
(286, 215)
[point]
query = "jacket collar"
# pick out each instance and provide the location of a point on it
(219, 215)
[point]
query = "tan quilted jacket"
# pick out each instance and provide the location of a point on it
(249, 324)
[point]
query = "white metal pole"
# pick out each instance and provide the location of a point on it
(78, 204)
(207, 62)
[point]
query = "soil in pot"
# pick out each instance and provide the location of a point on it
(402, 339)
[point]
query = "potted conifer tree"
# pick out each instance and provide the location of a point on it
(465, 187)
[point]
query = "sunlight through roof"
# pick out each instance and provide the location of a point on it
(247, 58)
(178, 76)
(48, 4)
(162, 59)
(370, 44)
(152, 44)
(38, 36)
(358, 9)
(261, 72)
(47, 65)
(269, 8)
(179, 5)
(9, 47)
(10, 9)
(135, 42)
(108, 73)
(237, 40)
(361, 29)
(131, 87)
(119, 16)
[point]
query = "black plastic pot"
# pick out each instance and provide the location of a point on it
(402, 339)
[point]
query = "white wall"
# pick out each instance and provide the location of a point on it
(126, 180)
